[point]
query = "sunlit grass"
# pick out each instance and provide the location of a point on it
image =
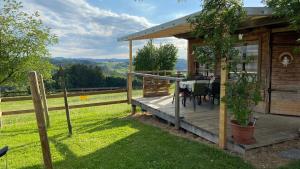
(104, 137)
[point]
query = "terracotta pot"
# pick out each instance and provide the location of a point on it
(241, 134)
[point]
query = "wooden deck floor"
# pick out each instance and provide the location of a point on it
(270, 129)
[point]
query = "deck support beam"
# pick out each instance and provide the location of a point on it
(177, 106)
(129, 78)
(133, 109)
(223, 107)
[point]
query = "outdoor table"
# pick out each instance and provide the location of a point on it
(190, 84)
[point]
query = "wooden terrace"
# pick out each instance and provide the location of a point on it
(204, 122)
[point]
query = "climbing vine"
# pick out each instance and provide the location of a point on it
(216, 25)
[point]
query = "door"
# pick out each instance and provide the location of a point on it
(285, 79)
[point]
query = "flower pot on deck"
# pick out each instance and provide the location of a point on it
(242, 134)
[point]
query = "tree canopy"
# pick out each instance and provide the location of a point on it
(151, 57)
(24, 42)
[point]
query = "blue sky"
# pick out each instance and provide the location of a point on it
(90, 28)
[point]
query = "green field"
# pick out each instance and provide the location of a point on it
(104, 137)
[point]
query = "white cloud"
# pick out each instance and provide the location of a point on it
(85, 30)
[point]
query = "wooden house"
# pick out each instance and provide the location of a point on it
(264, 36)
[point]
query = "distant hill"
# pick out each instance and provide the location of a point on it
(115, 67)
(181, 64)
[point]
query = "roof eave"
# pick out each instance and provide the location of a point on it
(251, 11)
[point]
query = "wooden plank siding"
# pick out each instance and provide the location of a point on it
(285, 81)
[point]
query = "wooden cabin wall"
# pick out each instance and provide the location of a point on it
(285, 81)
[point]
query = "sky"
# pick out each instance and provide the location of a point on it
(90, 28)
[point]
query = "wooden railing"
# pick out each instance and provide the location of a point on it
(61, 95)
(168, 78)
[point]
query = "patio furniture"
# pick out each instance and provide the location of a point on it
(193, 92)
(215, 92)
(185, 93)
(3, 152)
(191, 83)
(200, 89)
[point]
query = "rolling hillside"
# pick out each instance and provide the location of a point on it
(111, 67)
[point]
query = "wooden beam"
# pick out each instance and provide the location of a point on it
(223, 107)
(38, 107)
(15, 112)
(129, 78)
(133, 109)
(44, 99)
(269, 74)
(67, 111)
(21, 98)
(63, 83)
(157, 76)
(282, 29)
(177, 106)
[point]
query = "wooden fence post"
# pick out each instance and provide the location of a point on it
(177, 106)
(38, 107)
(44, 99)
(63, 84)
(67, 111)
(223, 107)
(129, 78)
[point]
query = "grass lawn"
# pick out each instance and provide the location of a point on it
(104, 137)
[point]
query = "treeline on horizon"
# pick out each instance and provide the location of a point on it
(77, 76)
(86, 76)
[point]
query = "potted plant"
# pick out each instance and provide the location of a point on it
(242, 96)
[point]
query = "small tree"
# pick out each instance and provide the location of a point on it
(146, 58)
(23, 44)
(167, 57)
(216, 25)
(151, 58)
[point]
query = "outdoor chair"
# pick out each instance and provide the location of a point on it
(3, 152)
(184, 93)
(215, 92)
(200, 89)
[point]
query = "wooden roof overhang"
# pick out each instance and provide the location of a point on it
(180, 28)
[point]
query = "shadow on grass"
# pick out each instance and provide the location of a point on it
(148, 147)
